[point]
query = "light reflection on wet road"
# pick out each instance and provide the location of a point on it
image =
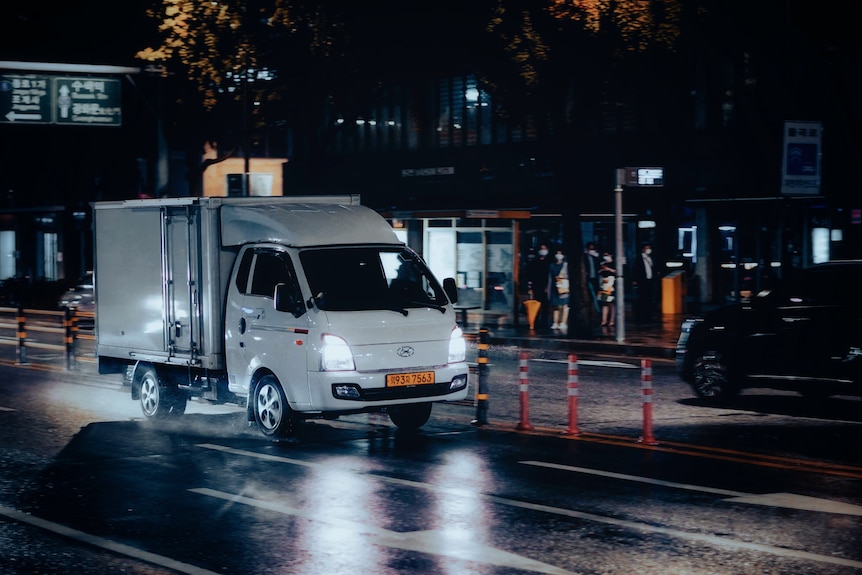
(354, 496)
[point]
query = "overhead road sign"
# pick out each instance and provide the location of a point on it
(31, 93)
(68, 100)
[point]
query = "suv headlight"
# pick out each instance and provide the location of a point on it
(336, 354)
(457, 346)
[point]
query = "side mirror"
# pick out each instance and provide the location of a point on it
(284, 301)
(451, 289)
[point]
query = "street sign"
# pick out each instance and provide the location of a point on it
(46, 99)
(800, 167)
(82, 100)
(24, 98)
(644, 177)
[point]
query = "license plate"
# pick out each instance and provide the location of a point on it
(415, 378)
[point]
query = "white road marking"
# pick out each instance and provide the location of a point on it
(625, 524)
(788, 500)
(103, 543)
(803, 502)
(625, 477)
(433, 542)
(2, 408)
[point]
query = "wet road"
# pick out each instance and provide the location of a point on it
(765, 485)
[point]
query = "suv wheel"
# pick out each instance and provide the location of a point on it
(711, 376)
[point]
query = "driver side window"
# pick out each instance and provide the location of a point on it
(270, 269)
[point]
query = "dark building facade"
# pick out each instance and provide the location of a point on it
(475, 189)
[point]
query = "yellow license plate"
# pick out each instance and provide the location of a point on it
(416, 378)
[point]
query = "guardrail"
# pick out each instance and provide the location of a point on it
(58, 330)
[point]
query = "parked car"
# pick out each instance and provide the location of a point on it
(805, 336)
(80, 297)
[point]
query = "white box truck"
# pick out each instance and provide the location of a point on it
(292, 307)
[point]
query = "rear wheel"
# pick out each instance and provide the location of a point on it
(410, 416)
(157, 399)
(273, 415)
(711, 376)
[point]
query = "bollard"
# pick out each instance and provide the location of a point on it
(572, 393)
(22, 337)
(646, 393)
(70, 322)
(482, 387)
(523, 387)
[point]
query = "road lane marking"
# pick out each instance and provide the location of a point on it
(434, 542)
(626, 524)
(788, 500)
(636, 478)
(720, 454)
(102, 543)
(801, 502)
(2, 408)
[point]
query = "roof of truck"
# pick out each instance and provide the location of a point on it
(289, 220)
(304, 224)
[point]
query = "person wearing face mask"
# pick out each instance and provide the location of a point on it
(536, 273)
(646, 277)
(559, 292)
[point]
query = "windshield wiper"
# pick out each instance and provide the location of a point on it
(439, 308)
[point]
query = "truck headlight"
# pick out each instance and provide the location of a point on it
(457, 346)
(336, 355)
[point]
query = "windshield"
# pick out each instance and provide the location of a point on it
(361, 278)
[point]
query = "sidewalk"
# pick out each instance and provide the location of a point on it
(654, 340)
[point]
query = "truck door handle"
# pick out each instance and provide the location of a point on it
(241, 326)
(178, 327)
(256, 313)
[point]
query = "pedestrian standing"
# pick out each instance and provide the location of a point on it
(559, 292)
(537, 277)
(592, 261)
(607, 297)
(644, 282)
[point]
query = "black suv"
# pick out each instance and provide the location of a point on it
(805, 336)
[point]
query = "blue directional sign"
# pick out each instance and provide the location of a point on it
(46, 99)
(24, 98)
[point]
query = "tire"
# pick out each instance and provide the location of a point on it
(157, 399)
(273, 415)
(410, 416)
(711, 377)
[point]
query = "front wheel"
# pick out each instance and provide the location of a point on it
(711, 376)
(273, 415)
(410, 416)
(157, 399)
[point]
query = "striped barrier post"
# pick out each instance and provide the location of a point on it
(646, 394)
(22, 337)
(482, 387)
(70, 324)
(572, 392)
(524, 393)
